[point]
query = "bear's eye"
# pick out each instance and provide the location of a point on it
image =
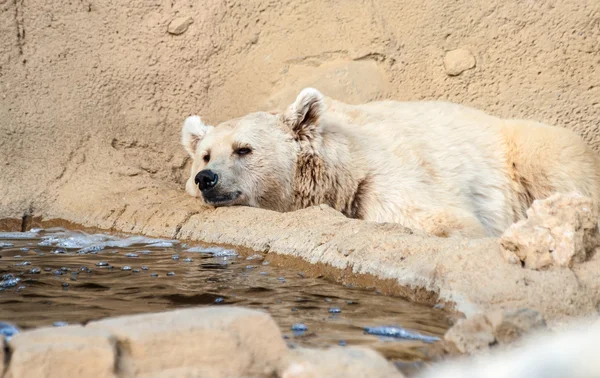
(206, 158)
(243, 151)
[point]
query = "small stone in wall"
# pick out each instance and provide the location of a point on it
(179, 25)
(457, 61)
(560, 230)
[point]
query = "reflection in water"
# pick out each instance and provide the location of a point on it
(55, 275)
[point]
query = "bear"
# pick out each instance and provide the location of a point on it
(439, 167)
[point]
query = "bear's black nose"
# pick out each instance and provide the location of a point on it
(206, 180)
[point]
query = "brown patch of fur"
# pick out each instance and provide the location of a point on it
(357, 206)
(316, 183)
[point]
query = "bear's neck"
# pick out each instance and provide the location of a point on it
(328, 176)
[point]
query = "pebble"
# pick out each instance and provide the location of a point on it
(58, 272)
(144, 267)
(8, 330)
(457, 61)
(153, 274)
(299, 327)
(8, 276)
(64, 269)
(175, 257)
(102, 263)
(6, 245)
(65, 284)
(179, 25)
(188, 260)
(35, 270)
(47, 269)
(136, 270)
(11, 282)
(60, 324)
(131, 254)
(24, 263)
(126, 267)
(170, 274)
(263, 273)
(335, 310)
(219, 300)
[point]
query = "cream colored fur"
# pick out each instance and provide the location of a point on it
(430, 165)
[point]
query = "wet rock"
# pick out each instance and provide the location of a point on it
(560, 230)
(61, 352)
(179, 25)
(199, 338)
(479, 332)
(457, 61)
(338, 362)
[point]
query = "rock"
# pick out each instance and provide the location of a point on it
(338, 362)
(509, 326)
(568, 353)
(471, 335)
(223, 341)
(477, 333)
(457, 61)
(61, 352)
(179, 25)
(560, 230)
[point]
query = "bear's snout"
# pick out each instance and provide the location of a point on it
(206, 180)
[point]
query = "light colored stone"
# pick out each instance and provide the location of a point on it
(560, 230)
(355, 362)
(572, 352)
(62, 352)
(457, 61)
(477, 333)
(510, 325)
(179, 25)
(471, 335)
(219, 342)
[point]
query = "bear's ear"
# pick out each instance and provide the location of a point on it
(193, 131)
(302, 117)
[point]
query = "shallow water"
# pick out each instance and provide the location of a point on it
(49, 277)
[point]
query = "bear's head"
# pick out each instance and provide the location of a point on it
(251, 160)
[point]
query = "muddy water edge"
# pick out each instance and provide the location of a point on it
(59, 275)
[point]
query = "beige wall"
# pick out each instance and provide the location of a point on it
(93, 93)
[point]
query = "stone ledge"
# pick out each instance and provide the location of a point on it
(197, 342)
(466, 275)
(62, 352)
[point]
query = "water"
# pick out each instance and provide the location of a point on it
(55, 277)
